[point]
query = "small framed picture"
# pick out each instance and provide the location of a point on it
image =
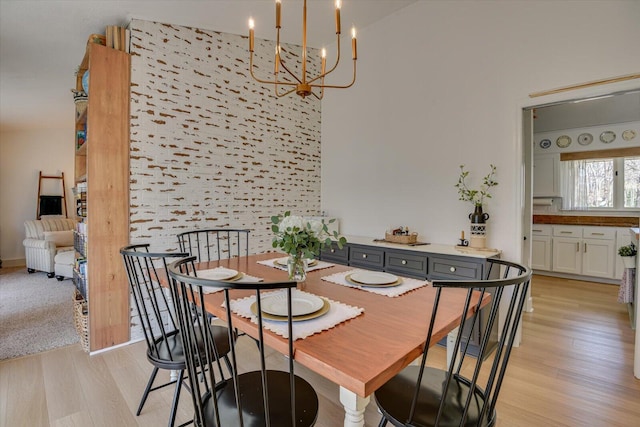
(80, 138)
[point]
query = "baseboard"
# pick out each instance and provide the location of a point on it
(578, 277)
(20, 262)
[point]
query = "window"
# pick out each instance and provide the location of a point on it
(600, 184)
(631, 173)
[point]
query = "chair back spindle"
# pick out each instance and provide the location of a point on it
(215, 244)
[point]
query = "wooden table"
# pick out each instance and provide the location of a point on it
(360, 354)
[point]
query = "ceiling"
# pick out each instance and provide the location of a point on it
(42, 42)
(603, 110)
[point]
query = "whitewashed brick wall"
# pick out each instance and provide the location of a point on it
(210, 147)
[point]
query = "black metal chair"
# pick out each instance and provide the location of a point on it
(158, 320)
(262, 397)
(214, 244)
(421, 395)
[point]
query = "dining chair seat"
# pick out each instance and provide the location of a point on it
(169, 353)
(253, 413)
(395, 397)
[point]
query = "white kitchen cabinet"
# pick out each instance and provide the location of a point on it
(546, 175)
(541, 247)
(567, 257)
(588, 251)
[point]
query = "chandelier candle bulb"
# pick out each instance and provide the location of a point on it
(354, 49)
(251, 25)
(278, 4)
(338, 30)
(323, 63)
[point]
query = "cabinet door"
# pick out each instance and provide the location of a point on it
(441, 267)
(546, 179)
(406, 263)
(598, 258)
(541, 253)
(567, 255)
(366, 257)
(335, 254)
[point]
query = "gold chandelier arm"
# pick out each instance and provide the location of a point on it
(337, 86)
(276, 82)
(326, 73)
(283, 65)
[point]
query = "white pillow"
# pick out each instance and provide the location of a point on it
(60, 238)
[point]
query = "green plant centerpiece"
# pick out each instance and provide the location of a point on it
(302, 240)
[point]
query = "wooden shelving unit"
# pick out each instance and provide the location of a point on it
(103, 161)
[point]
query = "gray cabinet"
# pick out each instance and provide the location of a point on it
(419, 265)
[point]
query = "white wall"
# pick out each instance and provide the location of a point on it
(442, 84)
(23, 154)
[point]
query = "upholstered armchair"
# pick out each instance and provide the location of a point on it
(45, 238)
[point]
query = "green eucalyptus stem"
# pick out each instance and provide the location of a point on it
(476, 197)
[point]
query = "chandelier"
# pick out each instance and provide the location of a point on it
(303, 85)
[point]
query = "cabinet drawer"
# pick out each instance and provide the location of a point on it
(447, 268)
(335, 254)
(605, 233)
(407, 264)
(567, 231)
(363, 256)
(541, 230)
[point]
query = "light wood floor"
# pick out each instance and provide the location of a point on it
(574, 368)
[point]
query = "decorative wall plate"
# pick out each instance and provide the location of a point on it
(545, 143)
(585, 138)
(607, 136)
(563, 141)
(628, 134)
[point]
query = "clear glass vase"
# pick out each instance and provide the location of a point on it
(297, 267)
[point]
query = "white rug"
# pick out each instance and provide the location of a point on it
(36, 314)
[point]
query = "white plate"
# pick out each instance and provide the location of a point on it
(217, 273)
(301, 304)
(282, 262)
(373, 277)
(585, 138)
(607, 137)
(563, 141)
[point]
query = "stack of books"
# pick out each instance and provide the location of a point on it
(118, 38)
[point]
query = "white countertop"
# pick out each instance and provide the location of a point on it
(434, 248)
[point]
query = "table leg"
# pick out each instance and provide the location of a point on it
(451, 340)
(354, 407)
